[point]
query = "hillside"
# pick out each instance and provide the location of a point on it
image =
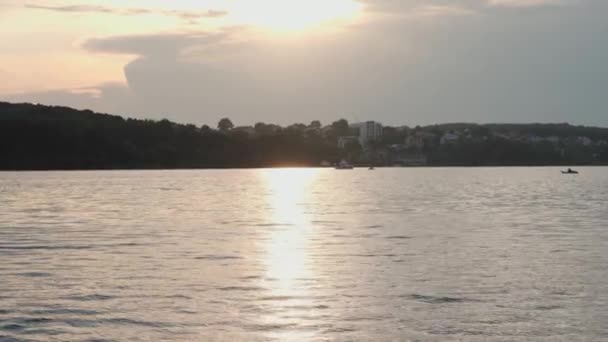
(37, 137)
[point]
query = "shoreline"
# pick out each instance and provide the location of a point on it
(310, 167)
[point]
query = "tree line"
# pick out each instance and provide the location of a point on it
(37, 137)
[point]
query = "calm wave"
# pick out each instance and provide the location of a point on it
(487, 254)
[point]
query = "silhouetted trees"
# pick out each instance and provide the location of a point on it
(265, 129)
(40, 137)
(341, 127)
(225, 125)
(316, 124)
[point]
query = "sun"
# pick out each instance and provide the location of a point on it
(293, 15)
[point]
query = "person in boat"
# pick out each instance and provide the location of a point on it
(569, 170)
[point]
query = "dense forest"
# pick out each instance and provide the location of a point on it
(42, 137)
(37, 137)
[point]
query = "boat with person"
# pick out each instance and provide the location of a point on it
(570, 172)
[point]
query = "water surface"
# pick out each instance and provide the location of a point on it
(454, 254)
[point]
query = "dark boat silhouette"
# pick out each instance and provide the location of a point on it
(570, 172)
(343, 165)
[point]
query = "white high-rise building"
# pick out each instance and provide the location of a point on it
(369, 131)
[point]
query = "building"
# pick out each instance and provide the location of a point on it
(534, 139)
(584, 141)
(502, 136)
(369, 131)
(449, 137)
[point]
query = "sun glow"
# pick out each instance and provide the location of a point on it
(274, 15)
(293, 15)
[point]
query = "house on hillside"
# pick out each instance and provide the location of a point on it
(418, 140)
(502, 136)
(449, 138)
(585, 141)
(534, 139)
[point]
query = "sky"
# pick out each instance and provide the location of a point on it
(400, 62)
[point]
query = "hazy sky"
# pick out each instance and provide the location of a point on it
(396, 61)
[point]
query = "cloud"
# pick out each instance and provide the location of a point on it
(420, 8)
(528, 3)
(6, 7)
(441, 10)
(186, 15)
(456, 7)
(155, 45)
(498, 65)
(76, 8)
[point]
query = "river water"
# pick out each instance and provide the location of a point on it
(445, 254)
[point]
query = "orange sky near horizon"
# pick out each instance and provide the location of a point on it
(42, 40)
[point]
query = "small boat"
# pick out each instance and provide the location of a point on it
(343, 165)
(371, 168)
(570, 172)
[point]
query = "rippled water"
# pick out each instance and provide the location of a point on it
(488, 254)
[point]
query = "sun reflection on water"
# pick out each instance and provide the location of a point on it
(286, 253)
(286, 259)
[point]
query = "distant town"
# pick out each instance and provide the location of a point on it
(36, 137)
(371, 142)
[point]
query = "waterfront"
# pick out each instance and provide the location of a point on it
(426, 254)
